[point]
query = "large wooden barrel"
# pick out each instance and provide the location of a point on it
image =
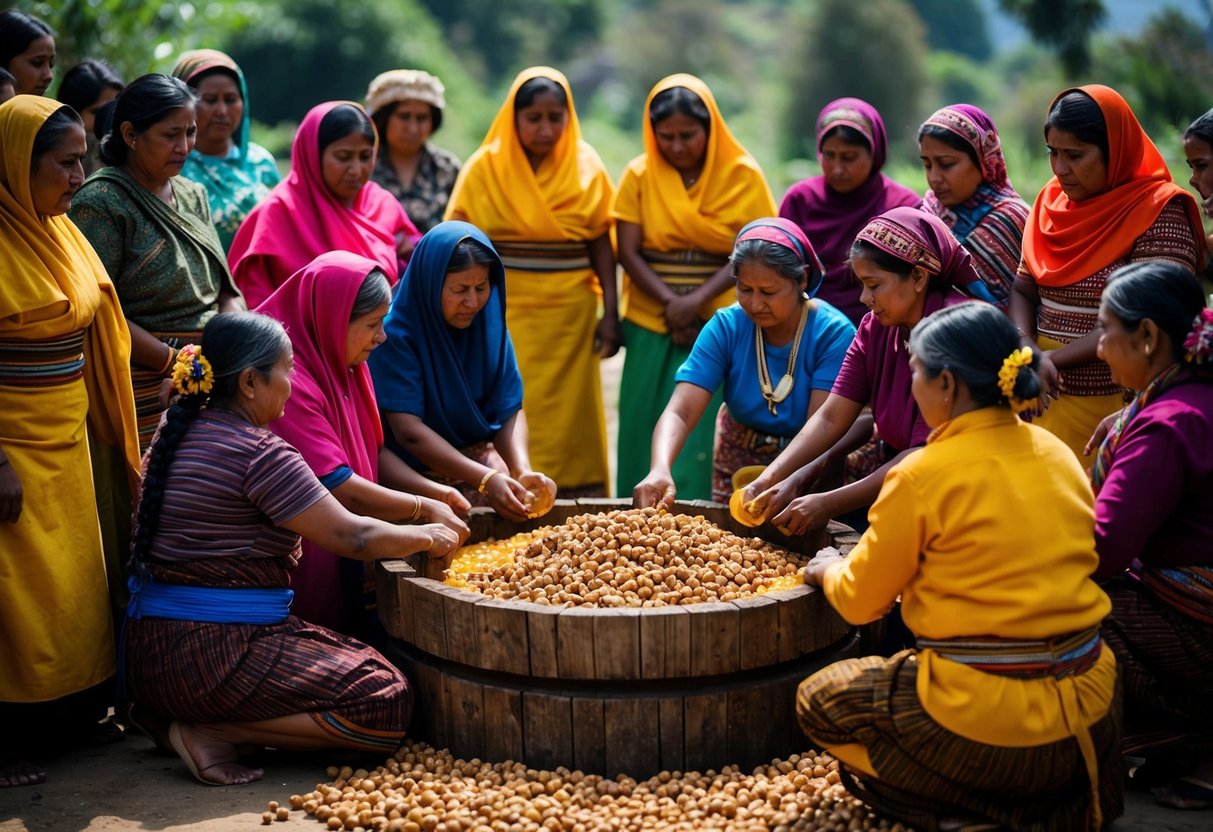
(609, 690)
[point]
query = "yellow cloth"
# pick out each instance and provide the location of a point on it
(551, 316)
(730, 192)
(988, 531)
(1073, 419)
(54, 609)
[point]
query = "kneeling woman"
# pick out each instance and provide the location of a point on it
(776, 351)
(447, 378)
(210, 643)
(1007, 712)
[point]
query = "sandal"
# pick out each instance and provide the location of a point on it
(1185, 793)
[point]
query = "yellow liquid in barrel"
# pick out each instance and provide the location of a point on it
(484, 557)
(779, 584)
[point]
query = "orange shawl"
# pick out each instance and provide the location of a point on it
(1067, 241)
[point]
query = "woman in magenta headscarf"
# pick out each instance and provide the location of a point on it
(327, 203)
(834, 207)
(333, 311)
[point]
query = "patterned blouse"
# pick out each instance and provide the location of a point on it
(426, 198)
(1066, 313)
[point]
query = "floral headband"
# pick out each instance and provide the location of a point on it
(1008, 374)
(192, 374)
(1199, 343)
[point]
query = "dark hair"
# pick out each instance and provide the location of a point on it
(778, 258)
(146, 102)
(1202, 128)
(681, 102)
(52, 131)
(82, 84)
(943, 134)
(847, 134)
(225, 71)
(384, 114)
(341, 121)
(972, 340)
(1166, 293)
(374, 292)
(536, 87)
(7, 79)
(1078, 114)
(17, 31)
(883, 260)
(469, 252)
(232, 343)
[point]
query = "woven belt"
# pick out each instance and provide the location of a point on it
(1059, 657)
(42, 362)
(763, 443)
(685, 270)
(543, 257)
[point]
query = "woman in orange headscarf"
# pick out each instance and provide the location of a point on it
(543, 197)
(679, 208)
(1111, 202)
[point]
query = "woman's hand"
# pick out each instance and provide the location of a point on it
(541, 493)
(1101, 432)
(453, 498)
(1049, 381)
(12, 495)
(507, 497)
(814, 573)
(434, 511)
(682, 312)
(443, 541)
(804, 514)
(657, 489)
(607, 337)
(767, 498)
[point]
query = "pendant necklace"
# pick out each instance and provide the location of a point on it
(782, 390)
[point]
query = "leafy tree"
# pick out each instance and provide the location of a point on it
(955, 26)
(1065, 25)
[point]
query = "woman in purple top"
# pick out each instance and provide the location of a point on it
(908, 265)
(1153, 478)
(834, 207)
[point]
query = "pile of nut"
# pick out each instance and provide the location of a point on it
(637, 558)
(424, 789)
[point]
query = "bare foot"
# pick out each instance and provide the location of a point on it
(210, 758)
(20, 773)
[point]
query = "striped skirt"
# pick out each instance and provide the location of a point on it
(147, 383)
(927, 773)
(737, 447)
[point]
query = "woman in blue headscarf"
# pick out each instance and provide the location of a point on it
(447, 379)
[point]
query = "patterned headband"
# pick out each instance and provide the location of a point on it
(895, 240)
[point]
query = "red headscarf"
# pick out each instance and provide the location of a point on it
(1067, 241)
(301, 219)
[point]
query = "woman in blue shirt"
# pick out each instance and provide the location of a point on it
(776, 351)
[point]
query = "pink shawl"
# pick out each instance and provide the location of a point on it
(301, 219)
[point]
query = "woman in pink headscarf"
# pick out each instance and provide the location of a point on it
(327, 203)
(333, 311)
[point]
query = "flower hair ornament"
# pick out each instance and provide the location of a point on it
(1199, 343)
(192, 374)
(1009, 373)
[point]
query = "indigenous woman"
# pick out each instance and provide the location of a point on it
(1006, 713)
(326, 203)
(834, 207)
(1153, 479)
(679, 208)
(153, 231)
(86, 88)
(908, 265)
(236, 172)
(64, 353)
(447, 379)
(1198, 148)
(777, 352)
(543, 196)
(211, 649)
(27, 51)
(970, 192)
(333, 311)
(407, 106)
(1111, 202)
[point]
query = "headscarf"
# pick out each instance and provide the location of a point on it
(914, 236)
(197, 61)
(832, 219)
(977, 130)
(567, 198)
(784, 232)
(55, 284)
(463, 383)
(301, 219)
(331, 417)
(1067, 241)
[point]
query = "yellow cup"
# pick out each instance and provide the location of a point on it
(747, 474)
(738, 510)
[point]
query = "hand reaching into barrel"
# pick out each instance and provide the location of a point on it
(507, 496)
(443, 542)
(435, 511)
(541, 493)
(814, 573)
(655, 490)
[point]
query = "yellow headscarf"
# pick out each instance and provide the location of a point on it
(55, 284)
(567, 198)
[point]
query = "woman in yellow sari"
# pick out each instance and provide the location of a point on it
(64, 358)
(543, 197)
(679, 208)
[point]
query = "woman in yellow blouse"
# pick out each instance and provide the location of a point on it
(543, 197)
(679, 208)
(1007, 712)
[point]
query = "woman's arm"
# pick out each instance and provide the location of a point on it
(397, 474)
(814, 511)
(361, 496)
(328, 524)
(534, 492)
(602, 261)
(147, 350)
(229, 301)
(681, 415)
(1025, 301)
(631, 238)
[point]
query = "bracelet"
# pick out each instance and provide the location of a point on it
(172, 358)
(484, 483)
(417, 510)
